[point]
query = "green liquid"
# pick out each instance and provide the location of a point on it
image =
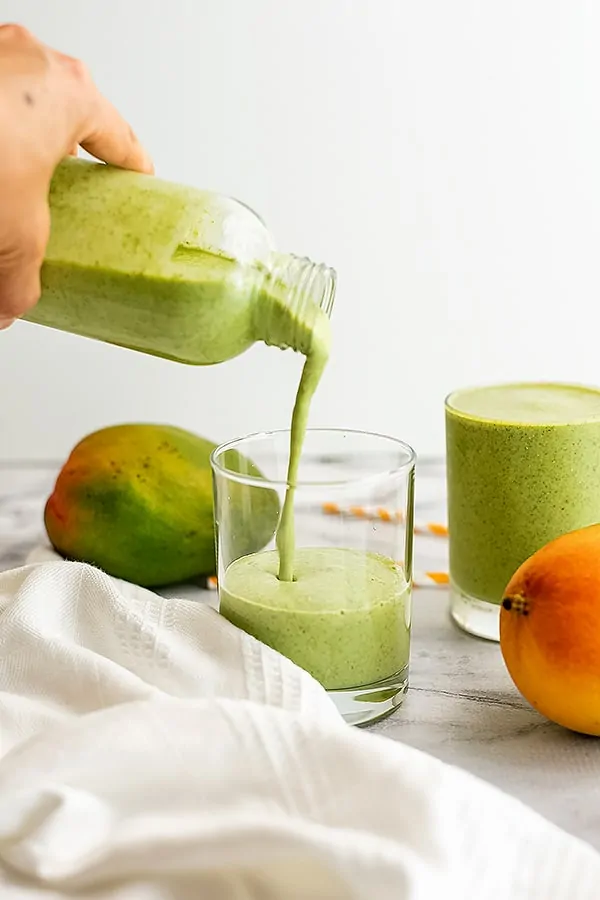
(523, 467)
(142, 263)
(345, 619)
(314, 366)
(341, 614)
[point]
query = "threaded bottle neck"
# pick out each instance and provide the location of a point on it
(295, 295)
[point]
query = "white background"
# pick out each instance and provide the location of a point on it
(443, 156)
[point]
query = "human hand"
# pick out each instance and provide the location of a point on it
(49, 106)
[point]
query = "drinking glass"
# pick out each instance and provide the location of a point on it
(522, 469)
(346, 616)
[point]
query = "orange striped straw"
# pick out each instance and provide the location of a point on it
(380, 514)
(439, 579)
(436, 529)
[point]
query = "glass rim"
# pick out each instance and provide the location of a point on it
(249, 480)
(490, 420)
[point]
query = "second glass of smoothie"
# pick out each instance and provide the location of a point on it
(523, 467)
(345, 617)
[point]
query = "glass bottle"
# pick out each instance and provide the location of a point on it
(169, 270)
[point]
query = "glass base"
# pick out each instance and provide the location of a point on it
(369, 703)
(477, 617)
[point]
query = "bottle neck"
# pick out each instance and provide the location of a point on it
(295, 297)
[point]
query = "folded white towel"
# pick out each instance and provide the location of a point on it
(150, 750)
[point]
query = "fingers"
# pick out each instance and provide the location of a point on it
(110, 138)
(49, 106)
(101, 130)
(65, 108)
(21, 255)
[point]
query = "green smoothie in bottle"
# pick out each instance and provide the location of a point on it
(170, 270)
(181, 273)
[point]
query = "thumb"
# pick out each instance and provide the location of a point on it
(107, 136)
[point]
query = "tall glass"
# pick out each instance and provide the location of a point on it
(523, 468)
(346, 616)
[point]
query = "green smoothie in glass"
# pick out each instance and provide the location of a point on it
(344, 618)
(345, 614)
(523, 467)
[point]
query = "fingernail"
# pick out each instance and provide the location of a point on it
(6, 323)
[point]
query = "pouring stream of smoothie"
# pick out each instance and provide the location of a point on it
(316, 360)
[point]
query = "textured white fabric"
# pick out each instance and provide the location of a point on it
(150, 750)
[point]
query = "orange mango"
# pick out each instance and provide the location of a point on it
(550, 630)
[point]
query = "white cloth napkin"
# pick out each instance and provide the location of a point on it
(150, 750)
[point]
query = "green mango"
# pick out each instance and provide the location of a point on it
(137, 501)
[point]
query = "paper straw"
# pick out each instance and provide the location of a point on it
(434, 529)
(380, 514)
(431, 579)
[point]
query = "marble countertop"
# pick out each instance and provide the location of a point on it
(461, 706)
